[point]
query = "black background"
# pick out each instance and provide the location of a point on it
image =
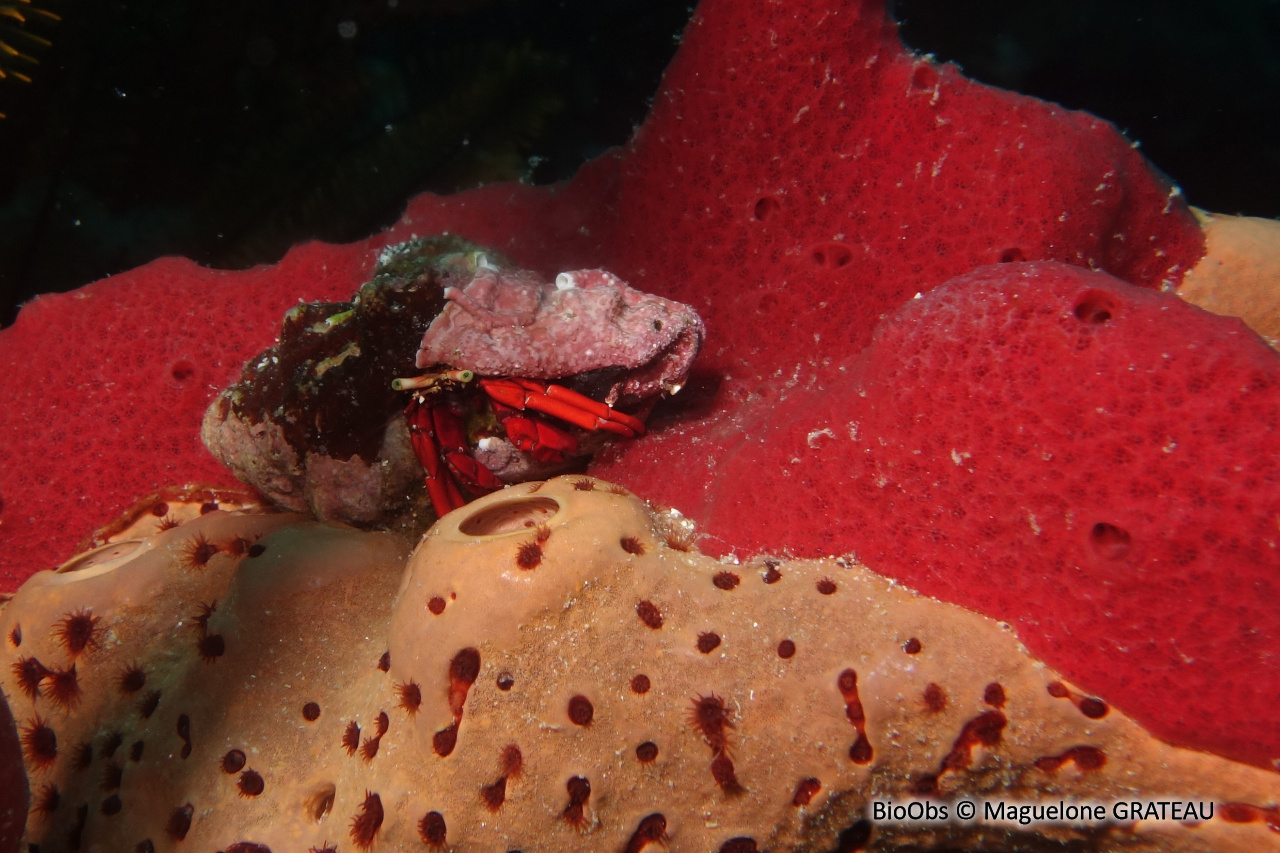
(228, 131)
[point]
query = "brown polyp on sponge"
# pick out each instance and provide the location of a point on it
(1239, 275)
(558, 671)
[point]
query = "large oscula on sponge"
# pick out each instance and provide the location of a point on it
(553, 668)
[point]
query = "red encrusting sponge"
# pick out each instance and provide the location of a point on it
(104, 388)
(800, 175)
(1092, 462)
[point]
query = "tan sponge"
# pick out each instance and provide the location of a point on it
(554, 669)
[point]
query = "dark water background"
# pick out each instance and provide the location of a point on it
(228, 131)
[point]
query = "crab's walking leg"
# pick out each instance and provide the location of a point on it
(443, 491)
(560, 402)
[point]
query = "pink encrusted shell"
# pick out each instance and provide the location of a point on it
(510, 323)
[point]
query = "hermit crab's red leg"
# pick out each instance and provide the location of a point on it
(608, 415)
(440, 486)
(451, 441)
(543, 440)
(438, 437)
(453, 497)
(562, 403)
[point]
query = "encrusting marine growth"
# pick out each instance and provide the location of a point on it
(316, 422)
(554, 668)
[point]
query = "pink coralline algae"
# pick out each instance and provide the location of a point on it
(513, 324)
(308, 687)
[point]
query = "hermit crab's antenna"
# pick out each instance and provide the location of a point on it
(432, 381)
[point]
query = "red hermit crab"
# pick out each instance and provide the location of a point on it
(525, 377)
(522, 380)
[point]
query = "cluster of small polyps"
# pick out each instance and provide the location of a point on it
(553, 669)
